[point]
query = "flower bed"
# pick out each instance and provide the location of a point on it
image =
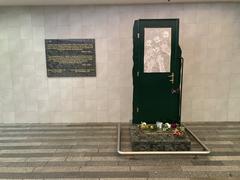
(151, 138)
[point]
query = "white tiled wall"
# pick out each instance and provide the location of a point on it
(209, 36)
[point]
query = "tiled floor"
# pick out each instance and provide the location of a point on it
(88, 151)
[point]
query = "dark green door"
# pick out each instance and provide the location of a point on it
(156, 71)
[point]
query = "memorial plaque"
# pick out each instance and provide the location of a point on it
(70, 57)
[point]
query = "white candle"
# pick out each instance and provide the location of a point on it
(159, 125)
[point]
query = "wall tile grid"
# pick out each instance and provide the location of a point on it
(208, 36)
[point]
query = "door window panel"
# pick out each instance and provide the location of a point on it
(157, 50)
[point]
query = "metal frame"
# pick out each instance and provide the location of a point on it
(204, 152)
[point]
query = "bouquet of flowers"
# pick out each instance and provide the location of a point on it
(173, 128)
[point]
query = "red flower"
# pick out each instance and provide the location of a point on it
(174, 125)
(178, 133)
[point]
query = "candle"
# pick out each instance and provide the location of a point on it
(159, 125)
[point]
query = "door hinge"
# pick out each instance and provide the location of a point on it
(138, 35)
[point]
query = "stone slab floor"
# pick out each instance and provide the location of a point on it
(88, 151)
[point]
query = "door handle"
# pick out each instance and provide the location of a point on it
(175, 91)
(172, 78)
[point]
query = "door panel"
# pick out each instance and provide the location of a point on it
(156, 71)
(157, 50)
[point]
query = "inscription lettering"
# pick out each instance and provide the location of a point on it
(70, 57)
